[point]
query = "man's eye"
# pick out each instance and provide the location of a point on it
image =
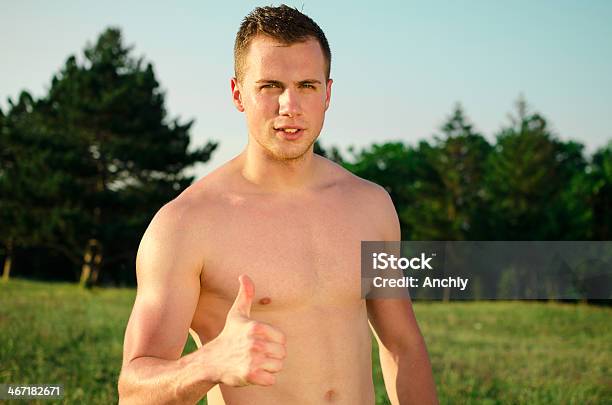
(308, 86)
(269, 86)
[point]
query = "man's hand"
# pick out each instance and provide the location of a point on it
(246, 351)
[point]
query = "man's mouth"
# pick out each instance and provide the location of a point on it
(289, 130)
(289, 133)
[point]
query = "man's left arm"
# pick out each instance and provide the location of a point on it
(403, 355)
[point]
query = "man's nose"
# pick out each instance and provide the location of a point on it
(289, 103)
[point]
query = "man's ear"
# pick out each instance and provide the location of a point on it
(328, 93)
(236, 96)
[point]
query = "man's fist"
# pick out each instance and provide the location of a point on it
(247, 351)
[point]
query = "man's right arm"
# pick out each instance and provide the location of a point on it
(168, 276)
(168, 268)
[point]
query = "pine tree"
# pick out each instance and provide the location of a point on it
(527, 175)
(459, 159)
(123, 156)
(28, 186)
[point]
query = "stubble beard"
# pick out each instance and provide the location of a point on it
(279, 155)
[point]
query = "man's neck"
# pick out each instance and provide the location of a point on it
(271, 174)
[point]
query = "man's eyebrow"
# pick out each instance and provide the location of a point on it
(270, 81)
(310, 81)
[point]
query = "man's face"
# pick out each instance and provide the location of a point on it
(284, 95)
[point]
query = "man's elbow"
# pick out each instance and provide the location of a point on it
(121, 389)
(124, 388)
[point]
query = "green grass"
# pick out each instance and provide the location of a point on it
(482, 352)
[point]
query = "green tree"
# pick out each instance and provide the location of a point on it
(29, 185)
(599, 179)
(459, 159)
(132, 157)
(527, 173)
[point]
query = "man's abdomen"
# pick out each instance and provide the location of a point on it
(328, 360)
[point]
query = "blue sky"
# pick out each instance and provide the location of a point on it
(398, 66)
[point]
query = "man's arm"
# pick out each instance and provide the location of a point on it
(168, 288)
(168, 268)
(403, 355)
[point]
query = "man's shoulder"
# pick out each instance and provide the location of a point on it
(194, 207)
(173, 221)
(371, 199)
(358, 188)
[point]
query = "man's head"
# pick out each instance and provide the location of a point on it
(284, 24)
(282, 80)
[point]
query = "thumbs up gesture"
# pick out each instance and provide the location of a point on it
(247, 351)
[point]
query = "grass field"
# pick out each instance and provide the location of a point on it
(482, 352)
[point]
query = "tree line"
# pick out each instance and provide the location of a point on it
(528, 185)
(84, 168)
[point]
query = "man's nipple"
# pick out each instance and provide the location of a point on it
(265, 301)
(330, 395)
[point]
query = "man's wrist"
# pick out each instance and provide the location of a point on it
(203, 366)
(200, 375)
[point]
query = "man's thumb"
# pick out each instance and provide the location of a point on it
(244, 299)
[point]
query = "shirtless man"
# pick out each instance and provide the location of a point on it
(260, 260)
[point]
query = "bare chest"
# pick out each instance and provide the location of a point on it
(296, 253)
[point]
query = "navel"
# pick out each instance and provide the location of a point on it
(265, 301)
(330, 395)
